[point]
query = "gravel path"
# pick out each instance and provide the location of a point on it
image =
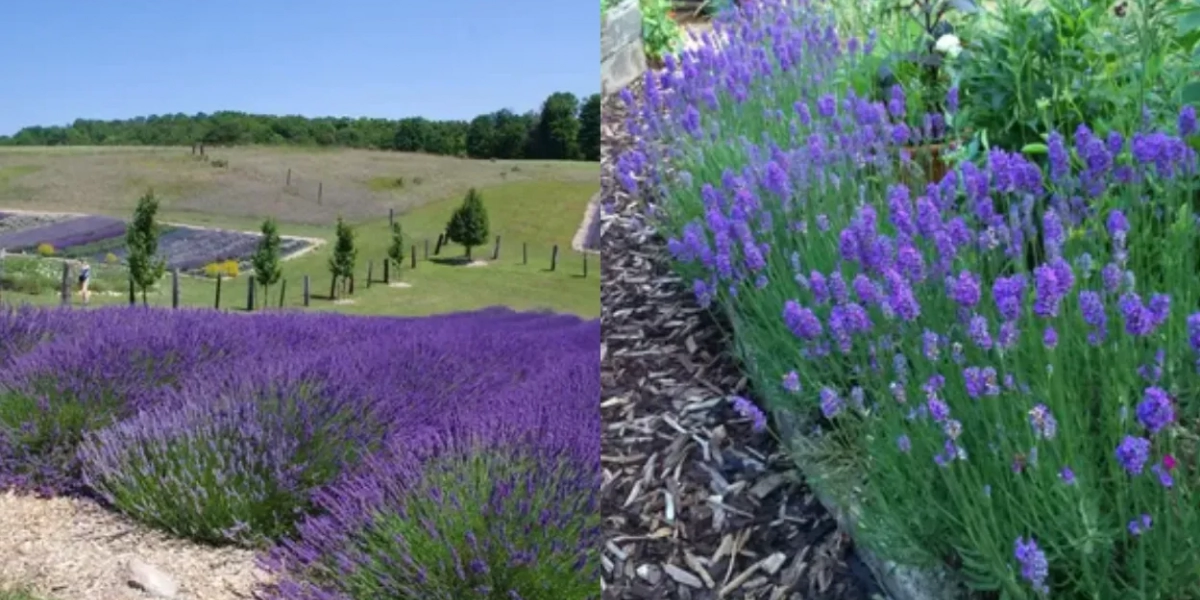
(71, 549)
(696, 505)
(587, 237)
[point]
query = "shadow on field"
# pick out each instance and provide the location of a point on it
(457, 261)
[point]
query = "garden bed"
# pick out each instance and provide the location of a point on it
(196, 426)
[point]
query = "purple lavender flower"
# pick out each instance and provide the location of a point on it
(1050, 338)
(1034, 567)
(748, 410)
(831, 403)
(791, 382)
(1043, 422)
(1132, 453)
(1155, 411)
(802, 321)
(904, 444)
(1140, 525)
(1067, 476)
(1187, 121)
(964, 289)
(978, 330)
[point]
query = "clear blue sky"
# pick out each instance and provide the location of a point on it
(440, 59)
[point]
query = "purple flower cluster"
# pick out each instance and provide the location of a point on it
(301, 431)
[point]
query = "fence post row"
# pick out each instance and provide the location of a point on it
(413, 254)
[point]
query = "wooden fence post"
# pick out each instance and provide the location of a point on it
(288, 183)
(217, 302)
(306, 291)
(351, 285)
(391, 217)
(524, 253)
(387, 274)
(413, 254)
(250, 293)
(585, 265)
(370, 271)
(132, 293)
(333, 287)
(66, 283)
(554, 258)
(282, 292)
(320, 190)
(437, 250)
(426, 249)
(175, 288)
(496, 251)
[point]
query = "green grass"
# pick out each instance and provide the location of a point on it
(17, 594)
(8, 174)
(537, 213)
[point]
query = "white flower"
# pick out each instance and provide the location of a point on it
(949, 45)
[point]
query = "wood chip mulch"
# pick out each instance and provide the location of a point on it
(696, 504)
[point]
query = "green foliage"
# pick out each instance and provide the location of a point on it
(267, 267)
(557, 133)
(141, 242)
(661, 35)
(345, 255)
(589, 128)
(501, 134)
(433, 538)
(468, 225)
(396, 248)
(1068, 63)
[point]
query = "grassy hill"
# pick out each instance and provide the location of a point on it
(538, 204)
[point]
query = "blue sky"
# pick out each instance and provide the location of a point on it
(440, 59)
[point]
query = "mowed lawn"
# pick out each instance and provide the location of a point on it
(538, 214)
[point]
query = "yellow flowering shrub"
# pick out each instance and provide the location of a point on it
(44, 249)
(228, 268)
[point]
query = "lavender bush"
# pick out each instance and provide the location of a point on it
(1006, 358)
(502, 506)
(278, 429)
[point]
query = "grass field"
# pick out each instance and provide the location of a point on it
(537, 203)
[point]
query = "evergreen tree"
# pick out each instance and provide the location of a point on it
(341, 264)
(267, 269)
(141, 243)
(396, 249)
(468, 225)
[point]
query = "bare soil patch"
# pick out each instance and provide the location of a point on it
(72, 549)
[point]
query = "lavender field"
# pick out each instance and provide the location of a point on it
(96, 237)
(443, 457)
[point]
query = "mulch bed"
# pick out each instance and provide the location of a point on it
(696, 504)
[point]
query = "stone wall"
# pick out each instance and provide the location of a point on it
(622, 56)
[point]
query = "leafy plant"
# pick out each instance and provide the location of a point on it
(468, 225)
(45, 250)
(922, 70)
(141, 243)
(341, 264)
(267, 269)
(396, 248)
(661, 35)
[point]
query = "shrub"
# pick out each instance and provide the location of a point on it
(452, 517)
(111, 259)
(219, 163)
(235, 463)
(45, 250)
(225, 268)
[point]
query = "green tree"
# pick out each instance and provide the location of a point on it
(267, 267)
(589, 128)
(345, 255)
(141, 244)
(557, 133)
(481, 137)
(469, 223)
(396, 249)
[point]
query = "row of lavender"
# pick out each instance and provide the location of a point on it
(999, 368)
(442, 457)
(97, 237)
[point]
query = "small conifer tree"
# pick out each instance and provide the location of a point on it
(468, 225)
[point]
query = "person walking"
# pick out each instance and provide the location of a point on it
(85, 277)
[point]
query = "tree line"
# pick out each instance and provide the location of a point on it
(565, 128)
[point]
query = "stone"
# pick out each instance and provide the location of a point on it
(649, 573)
(622, 54)
(622, 68)
(152, 580)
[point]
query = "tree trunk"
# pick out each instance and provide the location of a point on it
(144, 301)
(468, 254)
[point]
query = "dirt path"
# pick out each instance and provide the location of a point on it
(587, 237)
(69, 549)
